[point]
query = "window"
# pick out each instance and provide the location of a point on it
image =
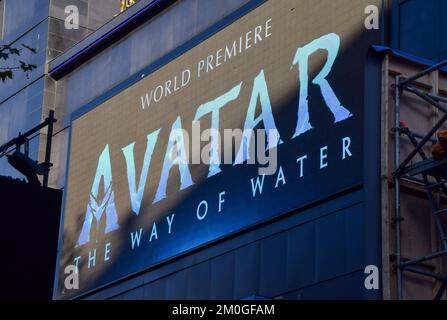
(2, 20)
(420, 28)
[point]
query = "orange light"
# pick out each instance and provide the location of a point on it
(126, 4)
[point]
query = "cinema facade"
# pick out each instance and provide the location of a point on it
(142, 220)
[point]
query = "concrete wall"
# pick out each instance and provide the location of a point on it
(26, 100)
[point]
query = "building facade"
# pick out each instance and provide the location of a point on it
(310, 230)
(40, 25)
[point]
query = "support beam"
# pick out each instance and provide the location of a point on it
(422, 73)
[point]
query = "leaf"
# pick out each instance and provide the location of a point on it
(5, 75)
(14, 51)
(27, 67)
(6, 51)
(33, 50)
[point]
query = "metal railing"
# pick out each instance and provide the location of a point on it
(23, 140)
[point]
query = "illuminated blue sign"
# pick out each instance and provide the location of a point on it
(255, 122)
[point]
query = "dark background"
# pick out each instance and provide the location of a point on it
(28, 239)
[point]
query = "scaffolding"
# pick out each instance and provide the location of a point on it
(431, 173)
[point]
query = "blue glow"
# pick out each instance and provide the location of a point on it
(213, 107)
(260, 91)
(136, 194)
(330, 43)
(96, 208)
(177, 140)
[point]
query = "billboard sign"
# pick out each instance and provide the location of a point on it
(138, 191)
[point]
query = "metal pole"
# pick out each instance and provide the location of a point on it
(441, 290)
(432, 99)
(429, 135)
(432, 200)
(426, 273)
(50, 120)
(22, 137)
(423, 259)
(437, 98)
(423, 73)
(397, 185)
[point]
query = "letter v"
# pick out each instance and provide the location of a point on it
(136, 194)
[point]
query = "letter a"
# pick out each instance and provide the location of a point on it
(330, 43)
(96, 207)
